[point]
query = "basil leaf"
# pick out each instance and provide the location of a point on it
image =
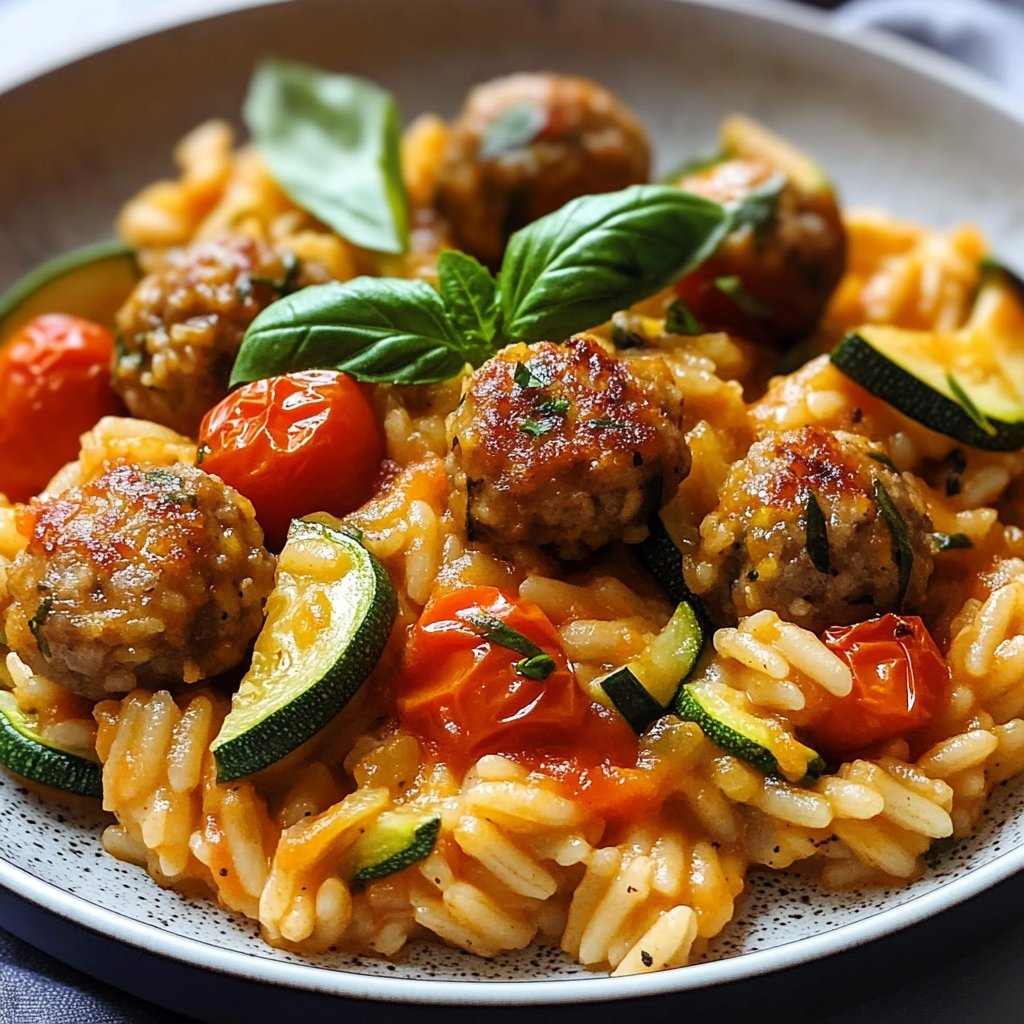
(377, 329)
(756, 209)
(538, 428)
(515, 128)
(470, 297)
(554, 407)
(816, 528)
(492, 629)
(529, 378)
(902, 552)
(35, 626)
(332, 143)
(575, 267)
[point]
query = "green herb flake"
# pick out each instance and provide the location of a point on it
(538, 428)
(501, 634)
(623, 333)
(883, 460)
(964, 400)
(172, 486)
(554, 407)
(529, 376)
(679, 319)
(538, 668)
(950, 541)
(732, 286)
(514, 129)
(35, 626)
(902, 552)
(201, 453)
(817, 534)
(757, 208)
(282, 285)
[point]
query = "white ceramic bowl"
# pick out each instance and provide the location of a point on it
(895, 127)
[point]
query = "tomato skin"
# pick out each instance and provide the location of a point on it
(462, 696)
(305, 442)
(899, 681)
(54, 386)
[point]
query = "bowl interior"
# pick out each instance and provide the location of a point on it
(88, 135)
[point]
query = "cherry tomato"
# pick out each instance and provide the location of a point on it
(305, 442)
(466, 695)
(54, 386)
(899, 681)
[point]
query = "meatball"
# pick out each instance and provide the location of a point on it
(771, 277)
(147, 576)
(565, 446)
(755, 552)
(180, 330)
(525, 145)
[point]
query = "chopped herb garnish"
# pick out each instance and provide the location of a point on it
(172, 485)
(282, 285)
(535, 664)
(201, 452)
(732, 286)
(817, 534)
(125, 359)
(515, 128)
(35, 626)
(902, 552)
(623, 334)
(529, 377)
(600, 424)
(964, 400)
(679, 319)
(539, 667)
(554, 407)
(538, 428)
(951, 541)
(883, 460)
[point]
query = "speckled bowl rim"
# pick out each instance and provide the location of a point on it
(112, 924)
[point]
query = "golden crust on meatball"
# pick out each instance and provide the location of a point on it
(758, 548)
(525, 145)
(565, 446)
(147, 576)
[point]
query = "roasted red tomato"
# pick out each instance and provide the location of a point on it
(486, 674)
(54, 386)
(899, 681)
(305, 442)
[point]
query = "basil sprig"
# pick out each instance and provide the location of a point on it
(332, 143)
(565, 272)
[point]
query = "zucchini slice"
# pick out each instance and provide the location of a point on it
(757, 741)
(644, 688)
(662, 558)
(24, 752)
(328, 619)
(967, 384)
(92, 282)
(398, 840)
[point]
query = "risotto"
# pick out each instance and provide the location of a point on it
(453, 536)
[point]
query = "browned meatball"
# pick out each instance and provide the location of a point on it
(770, 279)
(144, 577)
(566, 446)
(180, 330)
(755, 552)
(525, 145)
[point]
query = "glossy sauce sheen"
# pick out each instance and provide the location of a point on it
(462, 696)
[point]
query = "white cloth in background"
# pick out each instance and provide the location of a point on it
(987, 35)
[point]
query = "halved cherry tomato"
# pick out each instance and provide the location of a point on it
(899, 681)
(54, 386)
(463, 695)
(305, 442)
